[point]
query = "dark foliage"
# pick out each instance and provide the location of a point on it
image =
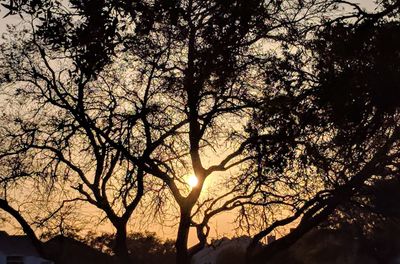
(144, 248)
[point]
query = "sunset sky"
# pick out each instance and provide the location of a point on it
(222, 225)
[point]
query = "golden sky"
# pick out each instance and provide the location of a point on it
(222, 225)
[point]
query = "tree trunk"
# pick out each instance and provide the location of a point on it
(25, 227)
(120, 247)
(182, 252)
(271, 250)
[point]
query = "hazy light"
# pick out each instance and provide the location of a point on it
(192, 181)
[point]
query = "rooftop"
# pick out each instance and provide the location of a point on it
(16, 245)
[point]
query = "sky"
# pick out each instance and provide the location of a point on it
(221, 225)
(367, 4)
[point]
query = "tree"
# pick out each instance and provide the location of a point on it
(362, 230)
(344, 124)
(152, 249)
(148, 90)
(51, 140)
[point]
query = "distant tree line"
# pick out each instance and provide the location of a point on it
(152, 249)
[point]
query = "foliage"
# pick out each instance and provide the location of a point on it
(145, 247)
(364, 230)
(122, 100)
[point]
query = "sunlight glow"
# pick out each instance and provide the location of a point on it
(192, 181)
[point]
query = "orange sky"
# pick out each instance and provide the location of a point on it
(220, 226)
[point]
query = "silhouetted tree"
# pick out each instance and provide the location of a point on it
(48, 136)
(361, 230)
(152, 249)
(338, 121)
(373, 217)
(146, 91)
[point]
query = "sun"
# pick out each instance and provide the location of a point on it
(192, 181)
